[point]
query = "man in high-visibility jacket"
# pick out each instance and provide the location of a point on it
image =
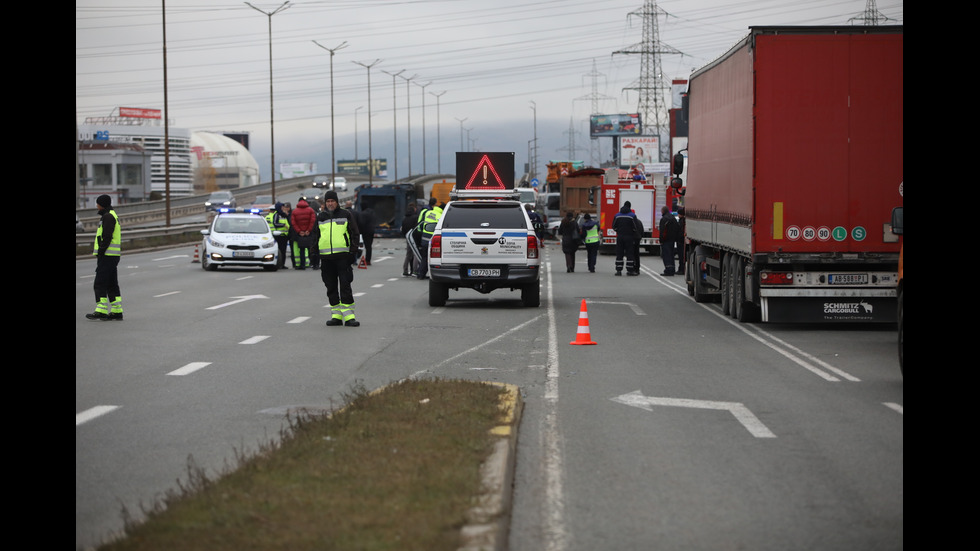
(427, 227)
(591, 231)
(278, 220)
(107, 249)
(339, 238)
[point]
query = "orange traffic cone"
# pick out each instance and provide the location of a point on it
(197, 254)
(583, 336)
(362, 265)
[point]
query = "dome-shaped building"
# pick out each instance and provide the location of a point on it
(219, 162)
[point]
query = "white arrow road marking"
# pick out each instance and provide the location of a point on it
(742, 413)
(240, 299)
(636, 309)
(92, 413)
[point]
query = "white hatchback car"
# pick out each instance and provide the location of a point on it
(238, 238)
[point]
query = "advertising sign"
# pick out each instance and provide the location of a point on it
(640, 150)
(615, 125)
(140, 113)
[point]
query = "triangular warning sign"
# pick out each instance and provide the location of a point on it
(485, 176)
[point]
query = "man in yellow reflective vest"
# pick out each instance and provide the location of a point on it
(107, 250)
(590, 230)
(339, 238)
(427, 227)
(278, 220)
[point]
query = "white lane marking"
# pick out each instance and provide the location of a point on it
(376, 285)
(167, 294)
(741, 413)
(361, 294)
(477, 347)
(171, 257)
(92, 413)
(751, 331)
(300, 319)
(243, 278)
(255, 340)
(240, 299)
(554, 513)
(189, 368)
(897, 407)
(393, 278)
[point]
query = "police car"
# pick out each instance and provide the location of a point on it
(239, 238)
(484, 241)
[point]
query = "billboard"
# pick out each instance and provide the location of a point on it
(359, 167)
(615, 125)
(639, 150)
(484, 171)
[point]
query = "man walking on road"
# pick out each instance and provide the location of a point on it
(669, 232)
(339, 237)
(108, 249)
(625, 228)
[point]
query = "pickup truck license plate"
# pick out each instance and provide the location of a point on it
(848, 279)
(483, 272)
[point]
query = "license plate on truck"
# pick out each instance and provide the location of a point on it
(847, 279)
(483, 272)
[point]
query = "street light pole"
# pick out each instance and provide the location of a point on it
(461, 121)
(272, 118)
(424, 171)
(356, 158)
(534, 166)
(370, 150)
(438, 131)
(394, 116)
(408, 109)
(333, 149)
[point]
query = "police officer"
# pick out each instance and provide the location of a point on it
(591, 231)
(427, 228)
(107, 249)
(278, 220)
(339, 237)
(625, 228)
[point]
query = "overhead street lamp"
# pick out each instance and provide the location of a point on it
(438, 132)
(534, 165)
(356, 158)
(424, 171)
(272, 118)
(370, 151)
(408, 109)
(333, 149)
(394, 116)
(461, 121)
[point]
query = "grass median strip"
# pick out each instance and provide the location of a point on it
(394, 469)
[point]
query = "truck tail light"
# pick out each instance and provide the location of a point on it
(776, 278)
(435, 246)
(532, 246)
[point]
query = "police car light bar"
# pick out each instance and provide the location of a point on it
(471, 194)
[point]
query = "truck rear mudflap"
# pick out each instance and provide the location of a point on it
(820, 306)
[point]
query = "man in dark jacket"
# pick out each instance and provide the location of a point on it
(303, 223)
(339, 238)
(409, 221)
(625, 228)
(365, 222)
(669, 232)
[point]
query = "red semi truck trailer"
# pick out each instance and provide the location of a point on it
(795, 161)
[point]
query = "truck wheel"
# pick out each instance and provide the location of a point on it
(531, 295)
(726, 284)
(688, 270)
(438, 293)
(746, 311)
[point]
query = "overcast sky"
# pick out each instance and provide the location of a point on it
(488, 59)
